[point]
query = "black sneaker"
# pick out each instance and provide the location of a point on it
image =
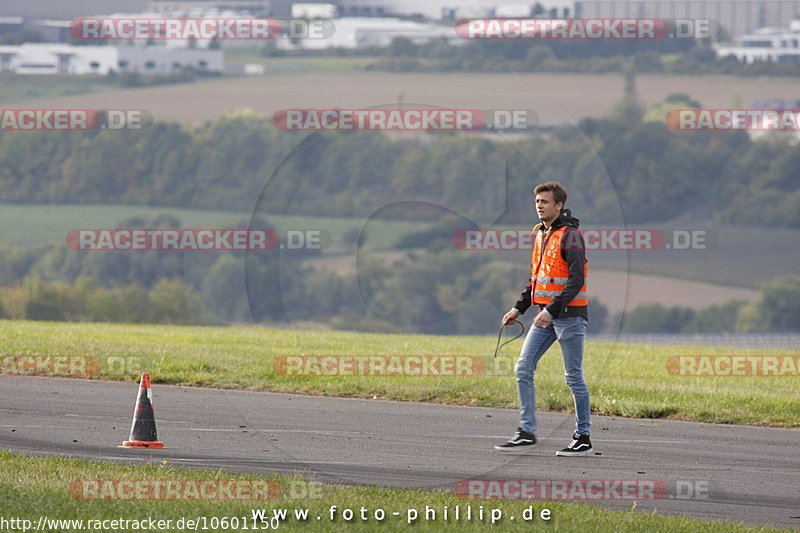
(522, 440)
(580, 445)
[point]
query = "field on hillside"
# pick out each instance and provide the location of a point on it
(18, 87)
(550, 96)
(22, 224)
(622, 280)
(695, 278)
(625, 380)
(718, 261)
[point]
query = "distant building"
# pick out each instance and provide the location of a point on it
(314, 11)
(360, 32)
(194, 7)
(8, 24)
(784, 104)
(154, 60)
(737, 17)
(513, 11)
(780, 104)
(61, 28)
(37, 58)
(452, 9)
(776, 45)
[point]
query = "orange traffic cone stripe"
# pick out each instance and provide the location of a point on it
(143, 428)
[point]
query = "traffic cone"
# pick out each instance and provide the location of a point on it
(143, 429)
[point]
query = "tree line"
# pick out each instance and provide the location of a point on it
(432, 288)
(663, 56)
(429, 294)
(620, 167)
(777, 309)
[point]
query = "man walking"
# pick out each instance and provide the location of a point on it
(557, 289)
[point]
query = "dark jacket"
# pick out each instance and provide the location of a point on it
(573, 251)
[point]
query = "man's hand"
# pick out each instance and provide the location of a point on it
(542, 319)
(510, 317)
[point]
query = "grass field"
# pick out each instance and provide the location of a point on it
(18, 87)
(31, 224)
(550, 96)
(625, 380)
(719, 262)
(40, 487)
(721, 269)
(722, 263)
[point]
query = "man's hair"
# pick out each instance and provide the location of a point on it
(559, 194)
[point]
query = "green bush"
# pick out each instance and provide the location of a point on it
(655, 318)
(777, 308)
(168, 302)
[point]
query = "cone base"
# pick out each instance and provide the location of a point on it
(141, 444)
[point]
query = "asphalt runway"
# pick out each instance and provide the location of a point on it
(736, 473)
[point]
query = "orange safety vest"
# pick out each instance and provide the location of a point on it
(549, 271)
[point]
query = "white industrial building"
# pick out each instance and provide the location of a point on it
(47, 58)
(737, 17)
(450, 9)
(776, 45)
(185, 7)
(314, 11)
(360, 32)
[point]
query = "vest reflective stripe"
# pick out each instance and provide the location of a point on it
(544, 280)
(550, 272)
(552, 294)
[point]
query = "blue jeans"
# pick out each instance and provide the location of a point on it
(570, 333)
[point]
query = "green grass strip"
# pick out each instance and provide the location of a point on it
(34, 487)
(624, 379)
